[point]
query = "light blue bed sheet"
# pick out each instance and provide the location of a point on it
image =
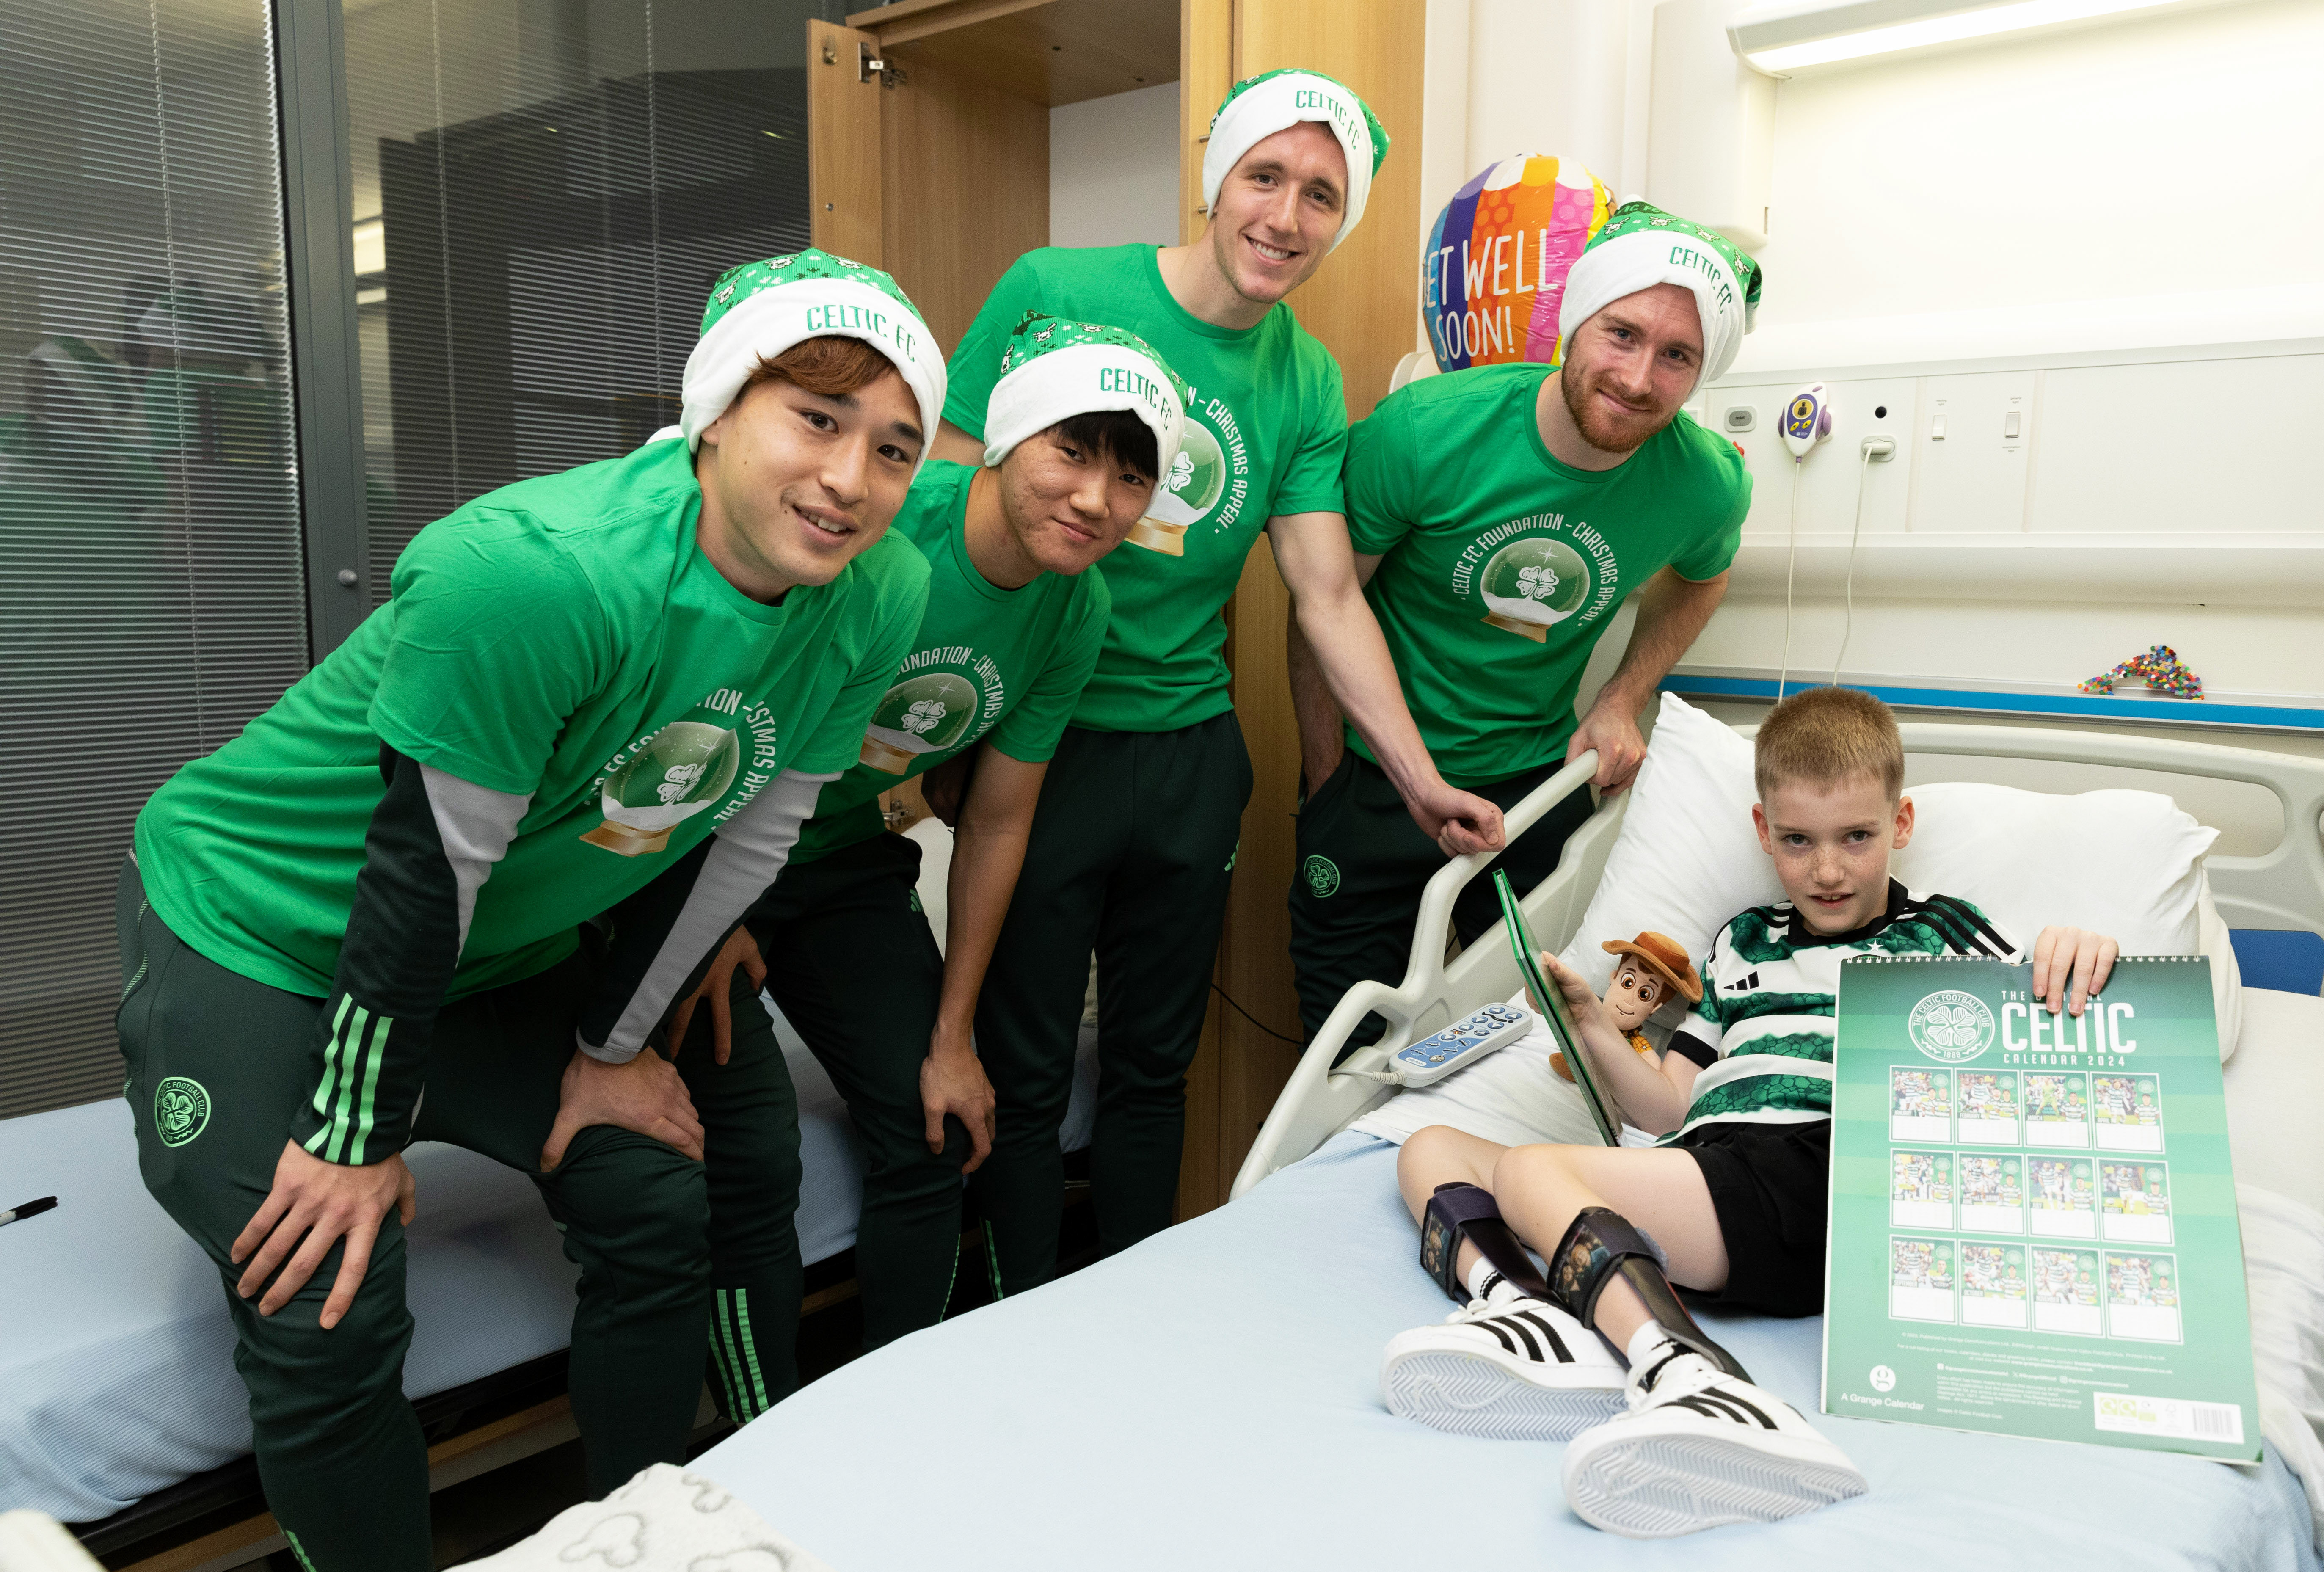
(1211, 1399)
(116, 1352)
(117, 1365)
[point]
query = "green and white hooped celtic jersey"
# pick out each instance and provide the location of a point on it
(1763, 1031)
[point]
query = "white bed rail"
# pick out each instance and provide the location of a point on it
(2281, 888)
(1320, 1097)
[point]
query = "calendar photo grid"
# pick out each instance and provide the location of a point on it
(2022, 1215)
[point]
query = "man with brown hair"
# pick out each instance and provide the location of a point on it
(356, 925)
(1501, 516)
(1735, 1192)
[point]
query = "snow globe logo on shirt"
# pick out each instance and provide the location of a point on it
(1206, 473)
(948, 695)
(1530, 586)
(1950, 1027)
(673, 774)
(926, 715)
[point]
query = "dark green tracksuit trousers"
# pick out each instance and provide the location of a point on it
(749, 1111)
(1363, 864)
(855, 966)
(1132, 850)
(339, 1450)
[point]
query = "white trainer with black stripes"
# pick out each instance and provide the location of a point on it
(1511, 1368)
(1699, 1448)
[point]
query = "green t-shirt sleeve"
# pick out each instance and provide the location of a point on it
(1717, 550)
(497, 643)
(975, 365)
(1311, 479)
(1028, 733)
(1381, 476)
(900, 597)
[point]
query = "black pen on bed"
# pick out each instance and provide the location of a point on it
(26, 1209)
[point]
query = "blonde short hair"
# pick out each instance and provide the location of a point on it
(1824, 735)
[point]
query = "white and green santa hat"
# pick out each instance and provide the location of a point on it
(1054, 370)
(1641, 246)
(761, 309)
(1261, 106)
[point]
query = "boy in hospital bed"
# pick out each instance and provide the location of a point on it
(1731, 1204)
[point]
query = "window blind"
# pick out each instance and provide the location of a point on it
(151, 597)
(543, 194)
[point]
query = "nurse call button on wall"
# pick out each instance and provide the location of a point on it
(1807, 418)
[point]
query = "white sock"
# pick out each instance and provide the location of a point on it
(1485, 1282)
(1644, 1342)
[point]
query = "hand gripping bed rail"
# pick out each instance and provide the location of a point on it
(2283, 887)
(1320, 1096)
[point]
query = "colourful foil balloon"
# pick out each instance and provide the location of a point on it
(1494, 270)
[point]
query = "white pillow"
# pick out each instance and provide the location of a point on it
(2227, 972)
(2274, 1088)
(1687, 859)
(2128, 863)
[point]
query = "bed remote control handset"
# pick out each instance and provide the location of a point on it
(1456, 1047)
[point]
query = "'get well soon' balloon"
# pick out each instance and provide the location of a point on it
(1494, 270)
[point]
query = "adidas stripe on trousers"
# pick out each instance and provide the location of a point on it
(339, 1450)
(749, 1111)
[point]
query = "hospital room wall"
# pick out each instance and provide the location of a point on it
(2061, 194)
(2054, 195)
(1113, 169)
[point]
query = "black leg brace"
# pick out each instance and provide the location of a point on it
(1461, 1210)
(1602, 1243)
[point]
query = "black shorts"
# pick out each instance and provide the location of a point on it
(1767, 1185)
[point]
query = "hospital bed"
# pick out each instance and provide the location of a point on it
(119, 1404)
(1211, 1397)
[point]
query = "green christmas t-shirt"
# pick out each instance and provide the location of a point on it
(1003, 665)
(1266, 432)
(562, 638)
(1500, 566)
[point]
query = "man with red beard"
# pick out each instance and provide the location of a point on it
(1500, 515)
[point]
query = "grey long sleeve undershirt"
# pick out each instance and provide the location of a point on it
(745, 856)
(476, 824)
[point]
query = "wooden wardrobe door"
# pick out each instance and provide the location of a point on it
(843, 144)
(1364, 304)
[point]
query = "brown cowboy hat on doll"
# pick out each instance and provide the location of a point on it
(1656, 968)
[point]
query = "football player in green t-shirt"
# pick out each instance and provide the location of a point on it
(1083, 422)
(354, 926)
(1500, 516)
(1135, 839)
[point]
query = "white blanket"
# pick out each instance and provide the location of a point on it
(2284, 1268)
(664, 1520)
